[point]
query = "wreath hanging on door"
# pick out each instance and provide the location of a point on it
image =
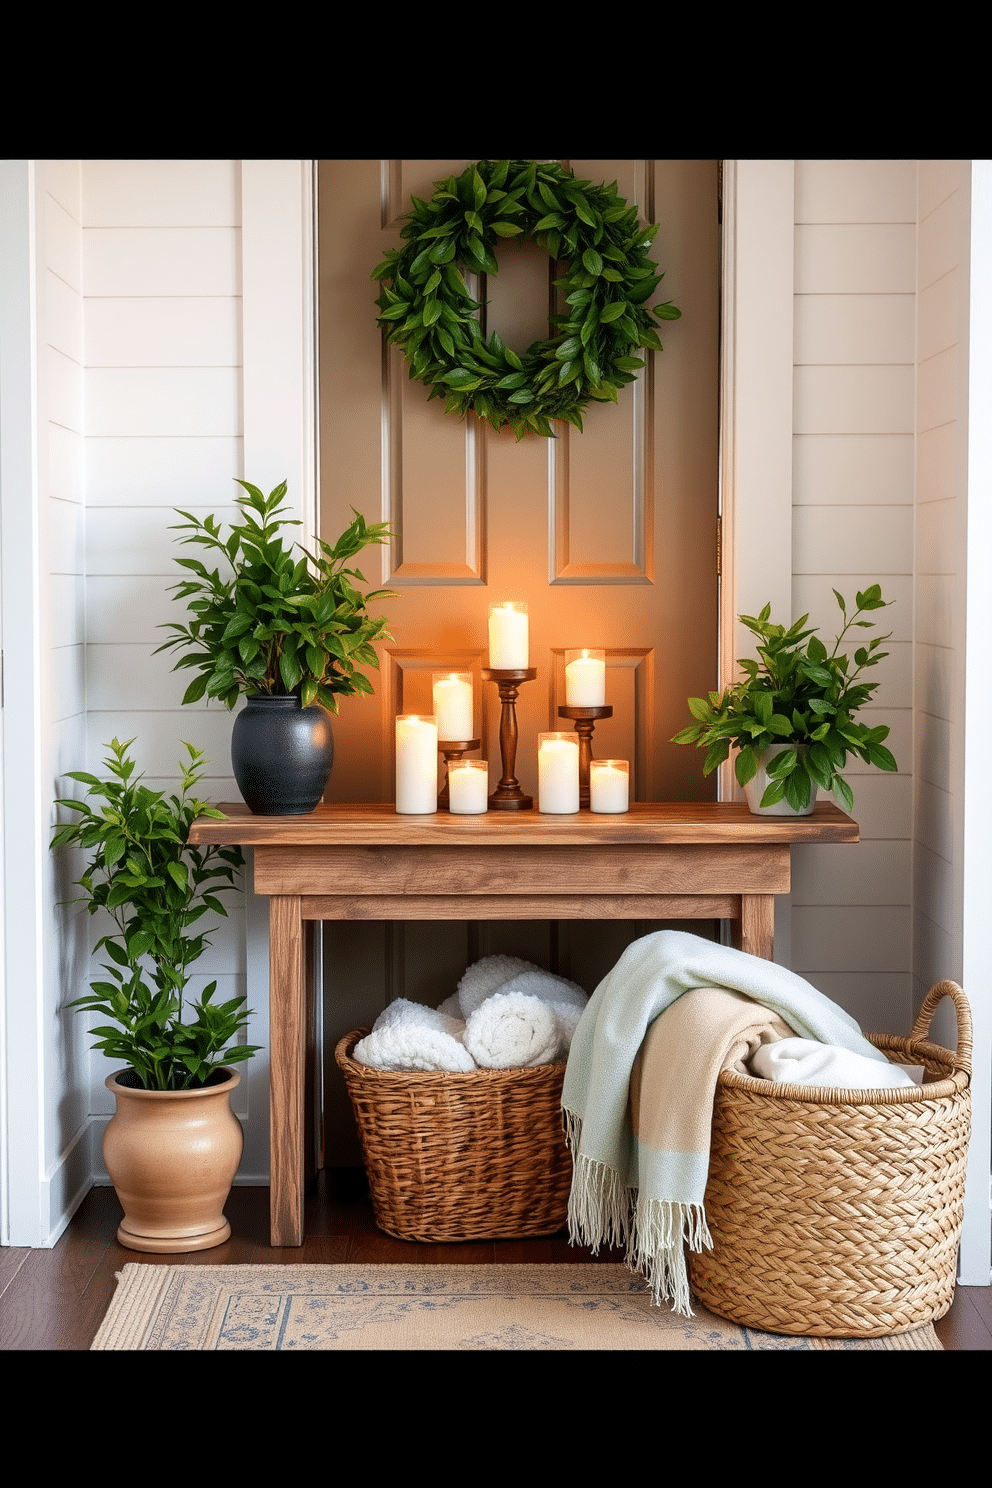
(608, 278)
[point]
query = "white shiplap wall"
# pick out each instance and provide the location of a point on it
(853, 525)
(163, 370)
(941, 513)
(62, 634)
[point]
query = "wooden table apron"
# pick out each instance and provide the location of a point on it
(688, 860)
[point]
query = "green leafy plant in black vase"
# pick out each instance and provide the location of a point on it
(156, 888)
(270, 619)
(799, 695)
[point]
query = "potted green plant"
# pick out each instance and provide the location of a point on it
(792, 716)
(173, 1147)
(284, 628)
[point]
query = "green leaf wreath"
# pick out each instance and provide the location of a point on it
(608, 278)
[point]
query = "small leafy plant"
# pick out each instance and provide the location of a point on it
(796, 694)
(266, 622)
(156, 888)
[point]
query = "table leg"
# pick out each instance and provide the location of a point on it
(754, 932)
(286, 1076)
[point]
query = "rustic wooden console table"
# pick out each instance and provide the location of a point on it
(690, 860)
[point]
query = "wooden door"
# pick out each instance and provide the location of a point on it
(609, 535)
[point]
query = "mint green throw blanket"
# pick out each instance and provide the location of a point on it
(640, 1148)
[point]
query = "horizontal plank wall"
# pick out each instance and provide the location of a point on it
(163, 392)
(44, 713)
(852, 525)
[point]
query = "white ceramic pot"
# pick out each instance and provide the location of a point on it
(756, 787)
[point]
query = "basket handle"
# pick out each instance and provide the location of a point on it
(921, 1028)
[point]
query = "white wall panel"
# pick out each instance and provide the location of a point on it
(856, 191)
(60, 230)
(941, 383)
(852, 469)
(875, 540)
(163, 471)
(159, 739)
(141, 540)
(140, 401)
(64, 389)
(166, 331)
(853, 400)
(161, 193)
(66, 534)
(938, 313)
(874, 872)
(63, 319)
(135, 261)
(878, 999)
(127, 607)
(859, 258)
(851, 937)
(66, 462)
(854, 328)
(941, 464)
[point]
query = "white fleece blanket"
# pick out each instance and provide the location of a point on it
(625, 1190)
(799, 1061)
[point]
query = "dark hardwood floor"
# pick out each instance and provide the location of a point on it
(56, 1299)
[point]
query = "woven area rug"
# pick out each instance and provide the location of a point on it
(298, 1308)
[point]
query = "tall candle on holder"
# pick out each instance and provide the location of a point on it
(509, 645)
(585, 679)
(453, 705)
(416, 764)
(558, 773)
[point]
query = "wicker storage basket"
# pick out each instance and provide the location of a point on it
(838, 1213)
(477, 1156)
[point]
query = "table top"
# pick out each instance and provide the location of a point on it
(377, 824)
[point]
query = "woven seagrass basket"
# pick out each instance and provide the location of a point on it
(838, 1213)
(476, 1156)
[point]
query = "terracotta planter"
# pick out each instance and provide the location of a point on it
(172, 1156)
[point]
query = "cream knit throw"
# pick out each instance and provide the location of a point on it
(638, 1119)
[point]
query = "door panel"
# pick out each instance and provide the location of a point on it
(609, 535)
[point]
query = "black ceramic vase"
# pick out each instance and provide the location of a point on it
(281, 754)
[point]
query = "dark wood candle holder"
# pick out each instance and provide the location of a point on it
(452, 749)
(508, 796)
(585, 724)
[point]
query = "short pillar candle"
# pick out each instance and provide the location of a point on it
(453, 705)
(585, 679)
(468, 787)
(609, 786)
(416, 764)
(558, 773)
(509, 642)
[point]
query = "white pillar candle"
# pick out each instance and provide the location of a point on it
(509, 647)
(609, 786)
(585, 679)
(558, 773)
(468, 787)
(416, 764)
(453, 706)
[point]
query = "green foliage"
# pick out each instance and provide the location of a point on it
(156, 888)
(609, 277)
(796, 694)
(265, 622)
